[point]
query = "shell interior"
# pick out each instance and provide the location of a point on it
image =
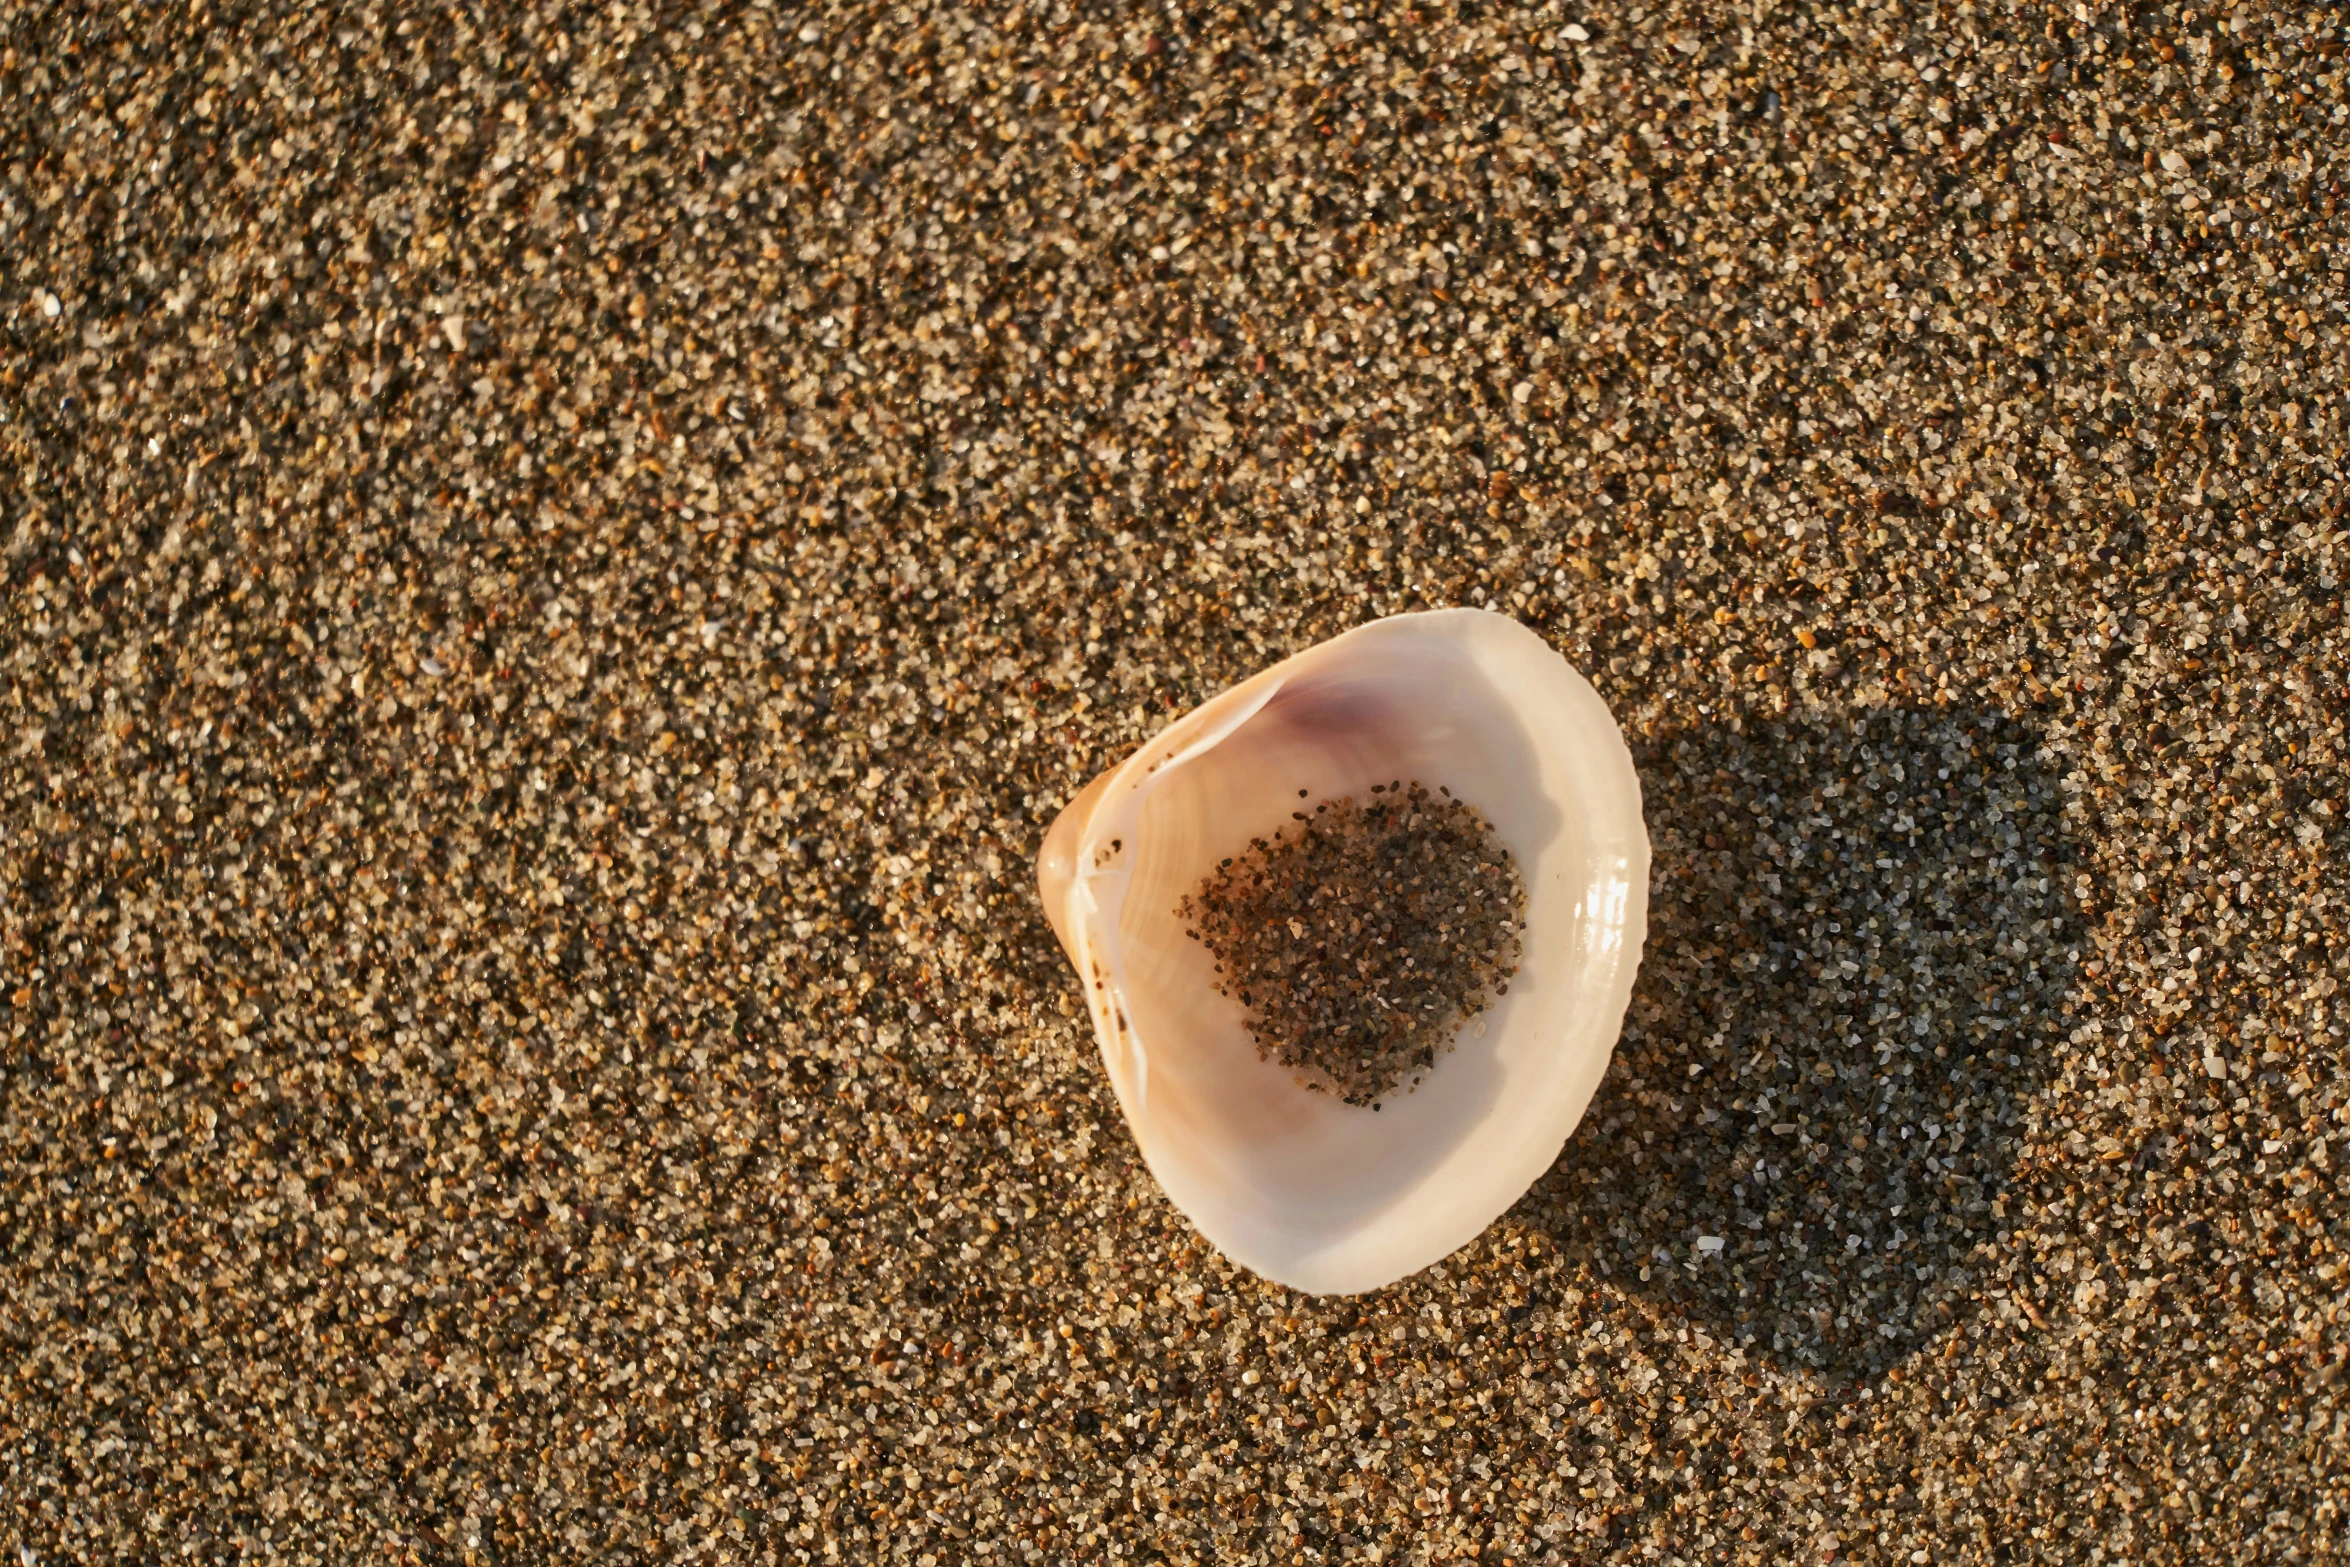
(1290, 1182)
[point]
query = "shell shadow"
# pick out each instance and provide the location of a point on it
(1860, 967)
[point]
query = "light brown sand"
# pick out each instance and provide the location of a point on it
(554, 566)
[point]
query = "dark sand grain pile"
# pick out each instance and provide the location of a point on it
(555, 564)
(1361, 940)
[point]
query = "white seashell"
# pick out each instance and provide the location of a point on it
(1323, 1196)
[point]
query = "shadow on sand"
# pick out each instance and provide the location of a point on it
(1859, 964)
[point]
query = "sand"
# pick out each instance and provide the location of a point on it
(555, 566)
(1363, 937)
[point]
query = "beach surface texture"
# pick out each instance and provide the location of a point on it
(556, 564)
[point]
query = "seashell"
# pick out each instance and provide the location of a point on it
(1309, 1191)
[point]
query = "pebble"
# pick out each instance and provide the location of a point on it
(619, 1096)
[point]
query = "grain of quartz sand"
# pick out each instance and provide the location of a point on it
(555, 566)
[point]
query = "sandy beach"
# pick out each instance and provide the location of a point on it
(555, 566)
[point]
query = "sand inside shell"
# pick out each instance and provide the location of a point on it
(1364, 935)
